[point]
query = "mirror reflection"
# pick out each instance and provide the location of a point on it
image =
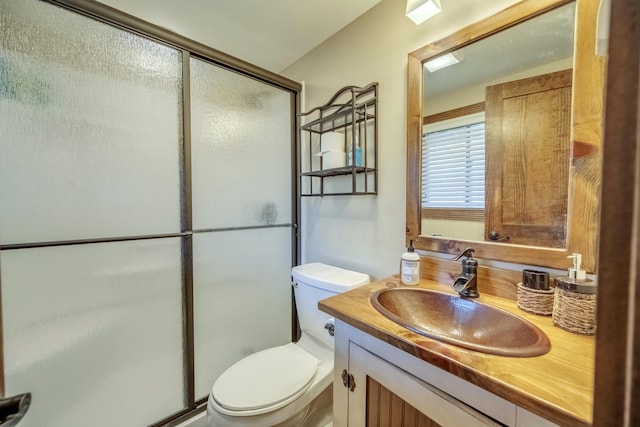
(497, 135)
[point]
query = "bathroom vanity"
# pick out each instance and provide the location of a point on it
(386, 374)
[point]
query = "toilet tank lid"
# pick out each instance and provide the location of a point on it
(328, 277)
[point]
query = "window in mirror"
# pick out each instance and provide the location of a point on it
(453, 172)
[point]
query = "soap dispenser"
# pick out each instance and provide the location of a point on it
(410, 266)
(574, 306)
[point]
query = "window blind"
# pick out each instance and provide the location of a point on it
(453, 166)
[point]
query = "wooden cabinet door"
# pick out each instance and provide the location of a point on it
(387, 409)
(528, 131)
(386, 396)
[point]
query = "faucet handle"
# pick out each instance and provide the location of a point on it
(467, 253)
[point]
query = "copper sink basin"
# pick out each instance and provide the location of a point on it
(461, 322)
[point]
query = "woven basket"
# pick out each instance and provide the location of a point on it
(536, 301)
(575, 312)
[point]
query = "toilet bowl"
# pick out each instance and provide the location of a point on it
(288, 385)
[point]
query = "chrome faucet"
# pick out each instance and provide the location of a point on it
(466, 284)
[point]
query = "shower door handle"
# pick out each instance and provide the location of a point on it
(12, 409)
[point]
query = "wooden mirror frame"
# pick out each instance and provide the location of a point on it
(617, 383)
(586, 130)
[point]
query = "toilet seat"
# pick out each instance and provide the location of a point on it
(265, 381)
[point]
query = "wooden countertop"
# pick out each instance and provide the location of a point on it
(557, 386)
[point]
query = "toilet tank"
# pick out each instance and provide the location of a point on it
(314, 282)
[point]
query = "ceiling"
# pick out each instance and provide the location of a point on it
(271, 34)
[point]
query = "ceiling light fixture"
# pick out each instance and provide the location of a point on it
(443, 61)
(421, 10)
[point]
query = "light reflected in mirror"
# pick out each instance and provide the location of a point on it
(496, 136)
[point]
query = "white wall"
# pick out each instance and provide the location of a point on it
(366, 233)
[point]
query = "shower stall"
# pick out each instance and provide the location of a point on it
(148, 214)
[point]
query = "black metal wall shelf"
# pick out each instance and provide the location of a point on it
(351, 156)
(347, 170)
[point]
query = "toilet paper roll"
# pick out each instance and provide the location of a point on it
(332, 141)
(333, 159)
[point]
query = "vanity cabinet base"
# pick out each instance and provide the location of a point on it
(376, 384)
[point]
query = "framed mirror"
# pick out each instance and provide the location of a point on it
(523, 104)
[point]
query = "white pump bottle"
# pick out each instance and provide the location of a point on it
(410, 266)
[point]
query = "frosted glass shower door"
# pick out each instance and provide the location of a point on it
(90, 128)
(242, 207)
(242, 304)
(241, 150)
(90, 161)
(94, 332)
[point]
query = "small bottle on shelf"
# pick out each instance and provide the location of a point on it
(358, 155)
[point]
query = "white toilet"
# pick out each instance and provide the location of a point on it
(287, 385)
